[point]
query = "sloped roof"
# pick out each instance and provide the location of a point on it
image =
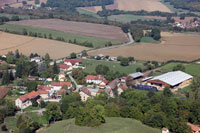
(44, 87)
(94, 77)
(61, 84)
(173, 78)
(64, 66)
(193, 127)
(86, 91)
(73, 61)
(3, 92)
(136, 75)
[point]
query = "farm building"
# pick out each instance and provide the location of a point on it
(137, 75)
(176, 79)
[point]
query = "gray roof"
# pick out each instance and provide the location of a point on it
(173, 78)
(136, 75)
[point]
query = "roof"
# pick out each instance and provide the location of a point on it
(60, 92)
(42, 92)
(93, 77)
(173, 78)
(93, 90)
(3, 92)
(44, 87)
(86, 91)
(100, 90)
(32, 95)
(124, 87)
(64, 66)
(136, 75)
(193, 127)
(73, 61)
(61, 84)
(113, 84)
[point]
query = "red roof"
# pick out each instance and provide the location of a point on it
(193, 127)
(32, 95)
(42, 92)
(44, 87)
(124, 87)
(61, 84)
(100, 90)
(3, 92)
(93, 77)
(86, 91)
(73, 61)
(64, 66)
(60, 92)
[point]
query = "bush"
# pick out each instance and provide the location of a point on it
(4, 128)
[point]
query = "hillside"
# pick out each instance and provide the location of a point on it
(116, 125)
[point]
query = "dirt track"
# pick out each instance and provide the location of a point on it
(174, 47)
(81, 28)
(27, 45)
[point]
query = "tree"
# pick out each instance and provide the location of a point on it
(11, 76)
(179, 67)
(53, 112)
(10, 59)
(5, 78)
(124, 62)
(155, 33)
(112, 110)
(34, 102)
(37, 2)
(55, 68)
(131, 59)
(42, 104)
(102, 69)
(25, 32)
(84, 53)
(42, 5)
(167, 92)
(47, 59)
(73, 55)
(11, 108)
(31, 86)
(17, 54)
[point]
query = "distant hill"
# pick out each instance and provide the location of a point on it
(113, 125)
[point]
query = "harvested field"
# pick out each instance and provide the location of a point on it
(80, 28)
(173, 47)
(19, 4)
(135, 5)
(27, 45)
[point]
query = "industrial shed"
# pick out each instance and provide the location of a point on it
(176, 79)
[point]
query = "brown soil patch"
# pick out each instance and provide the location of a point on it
(16, 5)
(27, 45)
(174, 47)
(81, 28)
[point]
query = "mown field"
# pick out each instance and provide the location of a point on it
(97, 42)
(112, 125)
(174, 46)
(81, 28)
(114, 66)
(27, 45)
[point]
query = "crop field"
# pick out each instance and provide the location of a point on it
(27, 45)
(97, 42)
(31, 2)
(80, 28)
(112, 125)
(174, 46)
(134, 5)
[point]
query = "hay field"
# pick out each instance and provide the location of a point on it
(134, 5)
(173, 47)
(80, 28)
(27, 45)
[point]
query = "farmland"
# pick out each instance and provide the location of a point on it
(174, 46)
(116, 125)
(114, 66)
(27, 45)
(80, 28)
(97, 42)
(134, 5)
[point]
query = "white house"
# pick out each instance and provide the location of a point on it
(56, 86)
(85, 94)
(36, 59)
(96, 79)
(72, 62)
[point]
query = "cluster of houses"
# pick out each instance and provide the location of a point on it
(187, 25)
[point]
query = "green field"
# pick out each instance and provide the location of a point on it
(112, 125)
(97, 42)
(85, 12)
(148, 40)
(192, 68)
(10, 16)
(127, 18)
(114, 66)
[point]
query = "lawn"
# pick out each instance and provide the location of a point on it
(97, 42)
(127, 18)
(114, 66)
(85, 12)
(112, 125)
(148, 40)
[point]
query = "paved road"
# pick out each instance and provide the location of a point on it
(117, 46)
(74, 81)
(40, 111)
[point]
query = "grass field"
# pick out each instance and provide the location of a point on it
(82, 11)
(97, 42)
(127, 18)
(114, 66)
(112, 125)
(148, 40)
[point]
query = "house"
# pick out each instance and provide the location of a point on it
(195, 129)
(43, 94)
(61, 77)
(176, 79)
(36, 59)
(92, 79)
(122, 89)
(136, 76)
(3, 92)
(61, 92)
(49, 79)
(93, 92)
(165, 130)
(85, 94)
(64, 67)
(112, 86)
(72, 62)
(58, 85)
(44, 87)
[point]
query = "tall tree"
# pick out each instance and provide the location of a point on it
(6, 78)
(55, 68)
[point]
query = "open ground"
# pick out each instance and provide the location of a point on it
(81, 28)
(174, 46)
(134, 5)
(27, 45)
(116, 125)
(19, 4)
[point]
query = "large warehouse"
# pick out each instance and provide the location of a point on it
(176, 79)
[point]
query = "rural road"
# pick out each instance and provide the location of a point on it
(74, 81)
(40, 111)
(117, 46)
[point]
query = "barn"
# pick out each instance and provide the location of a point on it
(176, 79)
